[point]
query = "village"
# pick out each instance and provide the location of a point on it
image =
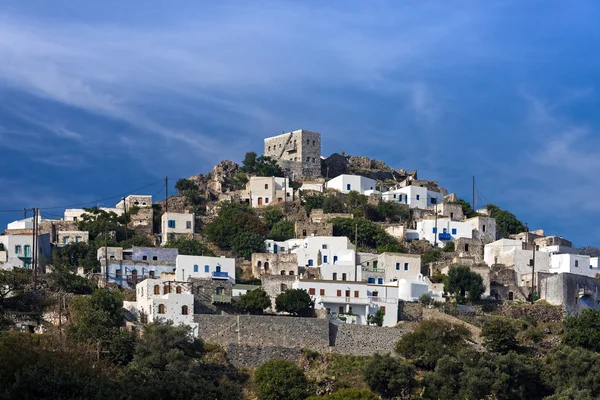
(317, 244)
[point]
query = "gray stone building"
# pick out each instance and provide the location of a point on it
(298, 153)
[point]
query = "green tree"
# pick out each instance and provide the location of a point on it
(63, 279)
(313, 201)
(254, 302)
(506, 222)
(190, 247)
(390, 377)
(98, 222)
(431, 255)
(591, 251)
(573, 368)
(280, 380)
(136, 241)
(430, 341)
(332, 204)
(184, 185)
(448, 247)
(231, 220)
(464, 283)
(392, 212)
(239, 181)
(467, 210)
(13, 282)
(282, 230)
(271, 215)
(294, 301)
(244, 244)
(499, 335)
(583, 330)
(572, 394)
(369, 234)
(347, 394)
(261, 166)
(377, 318)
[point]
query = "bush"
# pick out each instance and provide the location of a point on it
(426, 299)
(430, 341)
(254, 302)
(448, 247)
(280, 380)
(294, 301)
(190, 247)
(282, 231)
(389, 376)
(499, 335)
(244, 244)
(377, 318)
(431, 255)
(583, 330)
(462, 281)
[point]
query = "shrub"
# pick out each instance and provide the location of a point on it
(280, 380)
(448, 247)
(499, 335)
(254, 302)
(389, 376)
(294, 301)
(583, 330)
(462, 282)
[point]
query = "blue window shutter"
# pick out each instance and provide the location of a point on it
(406, 266)
(398, 266)
(454, 231)
(324, 259)
(380, 281)
(371, 280)
(206, 268)
(335, 258)
(310, 263)
(434, 230)
(348, 187)
(418, 197)
(195, 268)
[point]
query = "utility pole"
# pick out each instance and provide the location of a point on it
(105, 256)
(435, 236)
(473, 194)
(166, 194)
(34, 248)
(126, 218)
(532, 273)
(356, 252)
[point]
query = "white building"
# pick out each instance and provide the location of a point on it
(69, 237)
(349, 183)
(175, 225)
(135, 200)
(414, 196)
(76, 214)
(517, 255)
(217, 268)
(440, 231)
(18, 250)
(390, 267)
(164, 300)
(315, 187)
(573, 264)
(313, 250)
(265, 191)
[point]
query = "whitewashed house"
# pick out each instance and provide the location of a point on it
(414, 196)
(349, 183)
(265, 191)
(573, 264)
(204, 267)
(517, 255)
(390, 267)
(175, 225)
(18, 250)
(164, 300)
(76, 214)
(440, 231)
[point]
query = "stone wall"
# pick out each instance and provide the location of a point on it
(363, 340)
(273, 285)
(274, 264)
(574, 292)
(297, 152)
(410, 311)
(204, 289)
(303, 229)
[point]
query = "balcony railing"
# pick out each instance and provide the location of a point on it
(444, 236)
(343, 300)
(373, 270)
(220, 274)
(291, 147)
(383, 300)
(221, 298)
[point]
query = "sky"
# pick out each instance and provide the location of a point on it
(98, 99)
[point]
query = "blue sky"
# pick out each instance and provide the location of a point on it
(98, 98)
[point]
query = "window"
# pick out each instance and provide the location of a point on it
(65, 239)
(321, 292)
(119, 273)
(282, 272)
(266, 200)
(344, 276)
(406, 266)
(161, 308)
(467, 248)
(454, 231)
(151, 274)
(178, 290)
(324, 259)
(339, 293)
(155, 258)
(18, 249)
(310, 263)
(171, 223)
(27, 250)
(307, 141)
(350, 310)
(371, 280)
(397, 266)
(341, 309)
(418, 197)
(266, 185)
(375, 264)
(311, 291)
(188, 224)
(314, 143)
(452, 215)
(434, 230)
(356, 293)
(335, 258)
(382, 308)
(394, 196)
(307, 159)
(206, 268)
(291, 273)
(283, 287)
(576, 263)
(184, 310)
(483, 228)
(269, 148)
(348, 186)
(167, 289)
(196, 267)
(335, 276)
(77, 239)
(433, 200)
(347, 293)
(144, 258)
(324, 247)
(591, 267)
(380, 281)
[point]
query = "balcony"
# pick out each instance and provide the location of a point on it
(221, 298)
(379, 271)
(290, 147)
(220, 275)
(389, 300)
(444, 236)
(343, 300)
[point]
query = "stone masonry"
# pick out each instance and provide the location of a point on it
(298, 153)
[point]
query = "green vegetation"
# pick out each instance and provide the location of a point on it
(253, 302)
(499, 335)
(377, 318)
(348, 394)
(260, 166)
(466, 208)
(390, 377)
(190, 190)
(506, 222)
(583, 330)
(190, 247)
(591, 251)
(369, 234)
(464, 284)
(271, 215)
(448, 247)
(13, 282)
(281, 231)
(431, 255)
(280, 380)
(294, 301)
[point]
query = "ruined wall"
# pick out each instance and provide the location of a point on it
(469, 248)
(274, 264)
(141, 222)
(318, 216)
(274, 285)
(574, 292)
(303, 229)
(204, 289)
(363, 340)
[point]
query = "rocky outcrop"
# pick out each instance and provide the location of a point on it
(338, 164)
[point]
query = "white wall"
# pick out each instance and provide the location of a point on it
(265, 191)
(425, 230)
(195, 267)
(308, 249)
(317, 187)
(510, 253)
(414, 196)
(18, 260)
(184, 224)
(349, 183)
(76, 214)
(574, 264)
(399, 266)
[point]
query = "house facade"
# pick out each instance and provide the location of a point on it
(265, 191)
(352, 183)
(440, 231)
(175, 225)
(414, 196)
(204, 267)
(18, 250)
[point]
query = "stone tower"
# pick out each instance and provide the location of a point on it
(298, 153)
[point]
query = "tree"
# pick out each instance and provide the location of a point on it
(499, 335)
(261, 166)
(137, 241)
(331, 204)
(233, 219)
(462, 282)
(294, 301)
(282, 231)
(13, 282)
(506, 222)
(313, 201)
(431, 255)
(239, 181)
(244, 244)
(99, 222)
(591, 251)
(190, 247)
(389, 377)
(583, 330)
(369, 234)
(377, 318)
(271, 215)
(392, 212)
(96, 316)
(183, 185)
(280, 380)
(254, 302)
(348, 394)
(467, 210)
(430, 341)
(63, 279)
(568, 368)
(448, 247)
